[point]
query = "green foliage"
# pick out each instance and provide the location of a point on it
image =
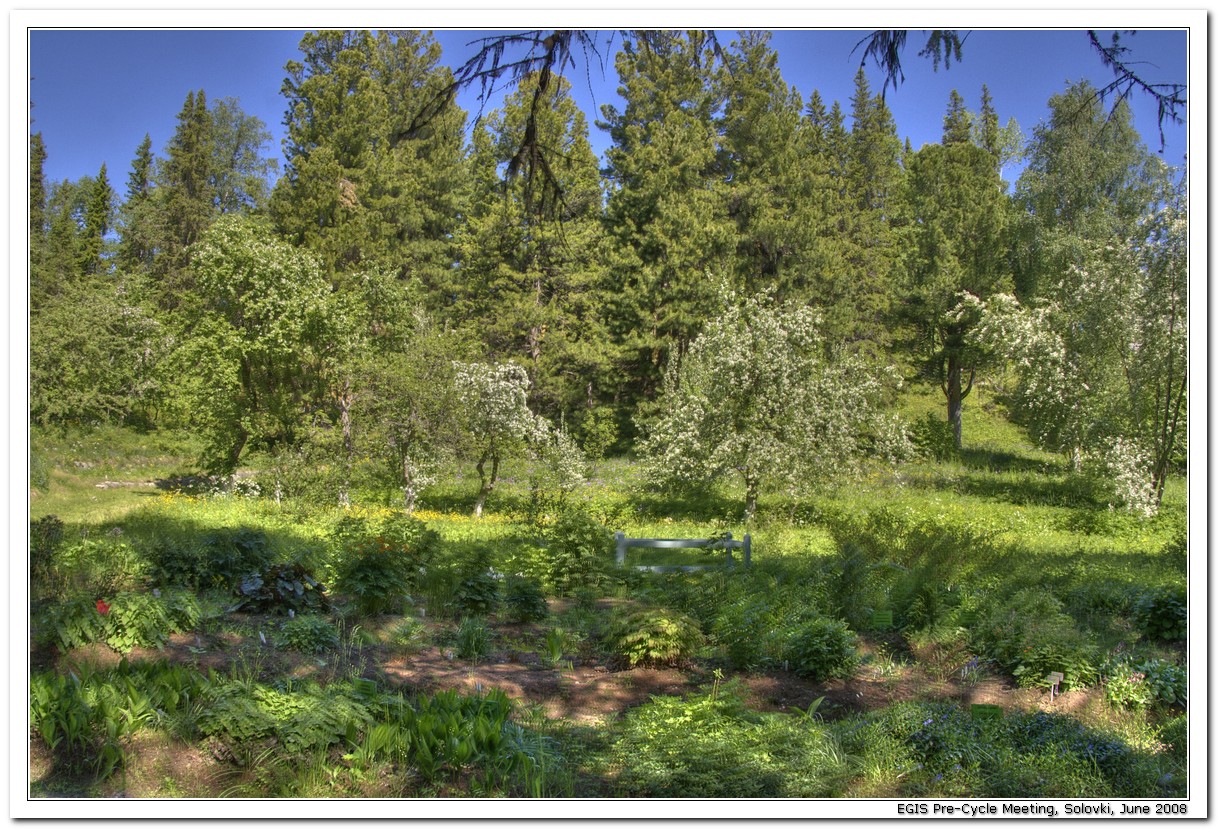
(308, 634)
(1030, 636)
(473, 639)
(146, 620)
(282, 588)
(46, 536)
(1162, 614)
(754, 394)
(653, 637)
(524, 600)
(380, 561)
(477, 593)
(578, 548)
(126, 621)
(86, 720)
(1149, 682)
(712, 746)
(220, 558)
(821, 649)
(406, 635)
(932, 435)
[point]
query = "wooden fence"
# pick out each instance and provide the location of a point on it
(727, 544)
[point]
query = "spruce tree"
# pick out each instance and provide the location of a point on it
(99, 212)
(137, 228)
(38, 196)
(666, 218)
(530, 265)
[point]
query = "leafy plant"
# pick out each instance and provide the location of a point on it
(380, 561)
(473, 639)
(555, 645)
(1125, 686)
(46, 536)
(713, 746)
(1162, 614)
(821, 649)
(70, 624)
(524, 600)
(477, 593)
(308, 634)
(406, 635)
(1030, 636)
(654, 637)
(146, 619)
(282, 588)
(578, 546)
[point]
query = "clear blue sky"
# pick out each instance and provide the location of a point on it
(97, 92)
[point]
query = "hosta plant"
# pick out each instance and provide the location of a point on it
(282, 588)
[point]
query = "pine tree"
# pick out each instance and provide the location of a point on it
(135, 247)
(960, 224)
(360, 188)
(99, 212)
(665, 215)
(529, 266)
(767, 161)
(38, 197)
(957, 128)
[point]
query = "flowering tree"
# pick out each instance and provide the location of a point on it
(755, 395)
(499, 424)
(1102, 360)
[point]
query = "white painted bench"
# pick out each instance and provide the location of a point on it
(726, 543)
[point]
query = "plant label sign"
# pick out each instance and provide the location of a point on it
(881, 620)
(1055, 678)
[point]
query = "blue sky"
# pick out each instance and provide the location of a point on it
(97, 92)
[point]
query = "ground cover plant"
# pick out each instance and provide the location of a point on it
(290, 648)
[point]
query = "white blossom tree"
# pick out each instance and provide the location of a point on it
(1101, 361)
(494, 403)
(755, 396)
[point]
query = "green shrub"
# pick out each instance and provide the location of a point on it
(308, 634)
(477, 593)
(280, 588)
(217, 559)
(70, 624)
(524, 600)
(1166, 683)
(579, 549)
(99, 566)
(46, 536)
(1162, 614)
(654, 637)
(1030, 636)
(406, 635)
(380, 561)
(146, 620)
(821, 649)
(933, 437)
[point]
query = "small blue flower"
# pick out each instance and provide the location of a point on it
(928, 722)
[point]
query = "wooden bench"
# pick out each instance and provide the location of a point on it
(726, 543)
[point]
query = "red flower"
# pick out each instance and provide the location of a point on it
(102, 607)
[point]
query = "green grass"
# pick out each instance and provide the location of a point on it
(929, 539)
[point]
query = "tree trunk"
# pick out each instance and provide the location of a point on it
(488, 483)
(956, 390)
(344, 418)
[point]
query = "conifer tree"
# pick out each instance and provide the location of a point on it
(38, 196)
(135, 247)
(960, 224)
(360, 188)
(98, 218)
(530, 265)
(665, 215)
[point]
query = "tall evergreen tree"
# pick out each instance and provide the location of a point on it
(666, 214)
(957, 122)
(185, 199)
(361, 188)
(99, 212)
(1089, 179)
(766, 162)
(529, 266)
(137, 227)
(960, 215)
(38, 196)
